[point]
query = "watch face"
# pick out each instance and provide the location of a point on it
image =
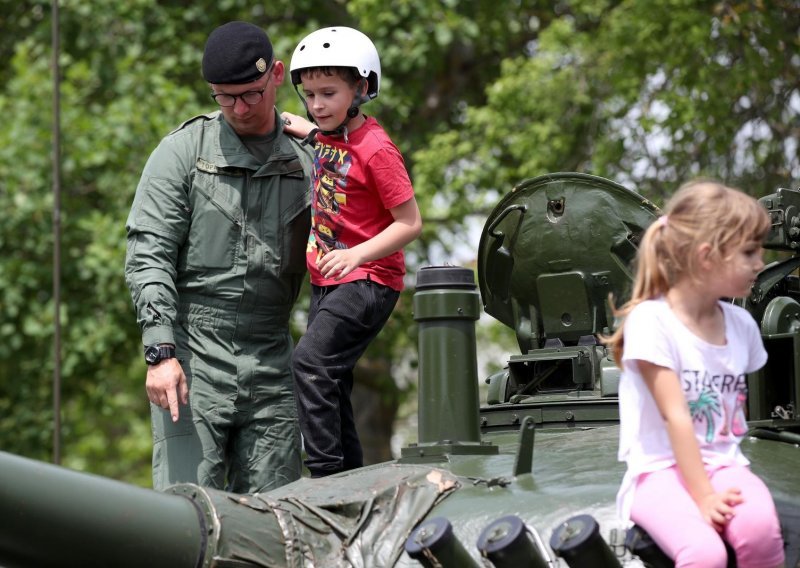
(151, 355)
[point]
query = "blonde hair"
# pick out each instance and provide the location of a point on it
(699, 212)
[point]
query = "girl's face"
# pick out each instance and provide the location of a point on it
(737, 271)
(328, 97)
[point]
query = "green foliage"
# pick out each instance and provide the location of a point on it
(650, 94)
(477, 94)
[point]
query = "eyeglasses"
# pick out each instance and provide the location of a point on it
(249, 97)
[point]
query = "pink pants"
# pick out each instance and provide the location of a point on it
(663, 507)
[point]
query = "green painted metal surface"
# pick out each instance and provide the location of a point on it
(51, 516)
(552, 250)
(446, 307)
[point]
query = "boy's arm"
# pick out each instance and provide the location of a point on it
(296, 125)
(664, 385)
(406, 227)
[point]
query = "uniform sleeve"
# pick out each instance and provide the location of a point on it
(647, 338)
(156, 229)
(388, 173)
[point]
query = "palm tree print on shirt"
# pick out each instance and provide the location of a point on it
(703, 408)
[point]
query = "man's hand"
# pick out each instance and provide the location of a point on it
(166, 384)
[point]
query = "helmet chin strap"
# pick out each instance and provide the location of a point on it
(340, 130)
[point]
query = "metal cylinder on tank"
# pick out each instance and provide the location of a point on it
(54, 517)
(446, 306)
(434, 545)
(507, 543)
(579, 543)
(51, 516)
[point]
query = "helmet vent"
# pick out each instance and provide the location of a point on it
(326, 45)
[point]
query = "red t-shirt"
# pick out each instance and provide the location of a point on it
(355, 185)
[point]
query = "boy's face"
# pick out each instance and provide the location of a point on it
(328, 97)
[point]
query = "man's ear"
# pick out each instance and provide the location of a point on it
(278, 72)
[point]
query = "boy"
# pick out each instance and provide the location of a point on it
(363, 214)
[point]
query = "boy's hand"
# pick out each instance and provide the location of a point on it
(718, 508)
(296, 125)
(338, 263)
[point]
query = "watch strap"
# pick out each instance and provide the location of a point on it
(156, 353)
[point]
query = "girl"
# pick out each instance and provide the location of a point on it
(684, 355)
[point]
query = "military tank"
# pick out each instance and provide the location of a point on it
(526, 478)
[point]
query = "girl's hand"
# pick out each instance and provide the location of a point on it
(718, 508)
(338, 263)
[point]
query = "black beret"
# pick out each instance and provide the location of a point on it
(235, 53)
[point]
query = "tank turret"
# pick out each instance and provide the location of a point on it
(775, 303)
(528, 478)
(552, 254)
(552, 251)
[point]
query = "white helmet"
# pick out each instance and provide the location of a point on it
(338, 47)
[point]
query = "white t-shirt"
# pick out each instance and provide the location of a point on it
(712, 378)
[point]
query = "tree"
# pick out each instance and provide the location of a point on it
(646, 93)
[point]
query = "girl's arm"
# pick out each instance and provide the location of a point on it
(664, 385)
(406, 227)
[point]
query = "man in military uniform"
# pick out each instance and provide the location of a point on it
(215, 261)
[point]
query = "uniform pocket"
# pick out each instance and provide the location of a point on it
(214, 235)
(296, 223)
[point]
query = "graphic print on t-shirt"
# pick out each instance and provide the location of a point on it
(738, 422)
(331, 167)
(703, 408)
(716, 397)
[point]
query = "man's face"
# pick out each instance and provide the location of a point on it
(252, 119)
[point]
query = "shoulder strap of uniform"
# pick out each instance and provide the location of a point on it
(304, 152)
(207, 116)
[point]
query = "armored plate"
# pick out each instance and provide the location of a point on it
(553, 250)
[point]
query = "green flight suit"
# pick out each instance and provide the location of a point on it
(215, 261)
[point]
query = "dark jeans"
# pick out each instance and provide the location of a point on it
(342, 321)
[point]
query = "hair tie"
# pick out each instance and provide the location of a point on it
(663, 220)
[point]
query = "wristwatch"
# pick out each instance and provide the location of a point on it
(156, 353)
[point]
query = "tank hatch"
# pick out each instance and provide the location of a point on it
(552, 251)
